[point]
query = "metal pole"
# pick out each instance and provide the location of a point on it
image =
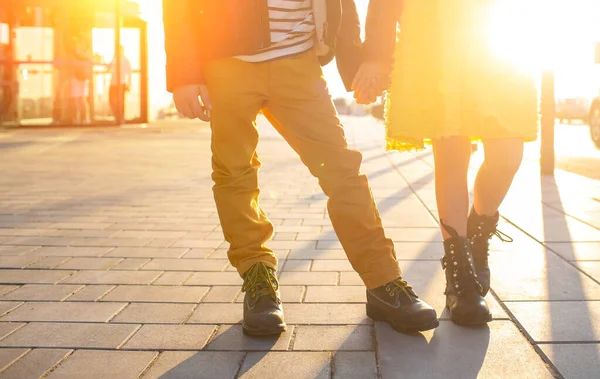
(119, 107)
(548, 111)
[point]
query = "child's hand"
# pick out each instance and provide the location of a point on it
(371, 80)
(187, 102)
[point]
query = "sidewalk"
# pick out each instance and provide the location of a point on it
(113, 265)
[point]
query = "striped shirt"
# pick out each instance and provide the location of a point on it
(292, 30)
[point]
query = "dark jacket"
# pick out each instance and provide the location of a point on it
(198, 31)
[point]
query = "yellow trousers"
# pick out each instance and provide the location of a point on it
(293, 95)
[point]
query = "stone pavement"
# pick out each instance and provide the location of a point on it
(113, 265)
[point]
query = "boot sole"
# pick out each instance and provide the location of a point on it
(469, 321)
(376, 315)
(263, 332)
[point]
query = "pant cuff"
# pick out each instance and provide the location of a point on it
(382, 276)
(269, 260)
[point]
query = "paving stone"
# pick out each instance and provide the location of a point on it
(198, 253)
(7, 306)
(80, 225)
(7, 289)
(69, 335)
(32, 276)
(91, 293)
(34, 364)
(39, 241)
(186, 264)
(331, 265)
(216, 313)
(8, 327)
(574, 251)
(591, 268)
(335, 294)
(293, 226)
(496, 350)
(103, 364)
(559, 321)
(156, 294)
(147, 252)
(574, 360)
(112, 242)
(335, 338)
(536, 278)
(42, 292)
(173, 278)
(308, 278)
(89, 263)
(16, 250)
(285, 236)
(198, 243)
(85, 233)
(71, 251)
(350, 279)
(296, 265)
(64, 311)
(286, 365)
(8, 356)
(113, 277)
(214, 279)
(48, 263)
(149, 234)
(170, 337)
(222, 294)
(317, 254)
(231, 337)
(154, 313)
(131, 264)
(323, 314)
(197, 365)
(355, 365)
(130, 226)
(17, 261)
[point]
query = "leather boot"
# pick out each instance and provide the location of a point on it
(464, 293)
(480, 229)
(263, 310)
(397, 304)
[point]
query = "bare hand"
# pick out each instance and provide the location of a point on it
(193, 101)
(372, 78)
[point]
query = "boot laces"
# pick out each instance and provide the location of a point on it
(400, 285)
(492, 230)
(260, 280)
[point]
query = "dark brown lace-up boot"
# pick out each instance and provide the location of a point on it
(397, 304)
(263, 311)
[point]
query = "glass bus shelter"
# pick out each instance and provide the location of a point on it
(61, 60)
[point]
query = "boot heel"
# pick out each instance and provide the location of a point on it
(375, 314)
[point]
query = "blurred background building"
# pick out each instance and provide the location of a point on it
(55, 62)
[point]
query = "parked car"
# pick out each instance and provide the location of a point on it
(594, 121)
(572, 108)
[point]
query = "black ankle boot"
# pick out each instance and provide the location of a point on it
(480, 229)
(263, 311)
(463, 291)
(397, 304)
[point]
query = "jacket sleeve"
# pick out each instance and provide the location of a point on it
(184, 58)
(380, 30)
(349, 44)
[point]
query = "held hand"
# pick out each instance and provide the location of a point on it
(193, 101)
(371, 80)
